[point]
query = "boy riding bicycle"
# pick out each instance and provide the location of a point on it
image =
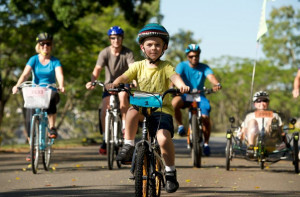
(153, 75)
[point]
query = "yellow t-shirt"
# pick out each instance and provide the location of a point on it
(155, 80)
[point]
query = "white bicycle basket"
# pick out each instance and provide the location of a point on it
(36, 97)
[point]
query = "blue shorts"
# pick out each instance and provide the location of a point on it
(203, 104)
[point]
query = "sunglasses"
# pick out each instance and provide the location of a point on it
(118, 38)
(45, 43)
(193, 56)
(262, 100)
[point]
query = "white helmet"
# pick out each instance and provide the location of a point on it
(260, 95)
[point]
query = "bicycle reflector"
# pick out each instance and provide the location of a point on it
(143, 99)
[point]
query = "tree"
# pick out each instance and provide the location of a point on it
(282, 41)
(79, 29)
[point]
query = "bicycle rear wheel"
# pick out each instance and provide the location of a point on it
(155, 181)
(110, 144)
(228, 153)
(46, 154)
(296, 153)
(34, 143)
(196, 148)
(141, 172)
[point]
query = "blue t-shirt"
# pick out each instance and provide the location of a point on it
(43, 73)
(193, 77)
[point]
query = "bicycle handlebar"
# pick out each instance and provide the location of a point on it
(31, 84)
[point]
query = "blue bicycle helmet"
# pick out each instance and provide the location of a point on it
(153, 30)
(44, 36)
(193, 47)
(115, 30)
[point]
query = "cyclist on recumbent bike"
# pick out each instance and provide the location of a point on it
(260, 119)
(194, 73)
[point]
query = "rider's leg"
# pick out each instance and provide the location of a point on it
(166, 146)
(206, 128)
(124, 105)
(177, 104)
(131, 126)
(252, 132)
(51, 120)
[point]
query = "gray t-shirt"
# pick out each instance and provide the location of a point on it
(114, 65)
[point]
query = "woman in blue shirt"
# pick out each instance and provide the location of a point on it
(45, 68)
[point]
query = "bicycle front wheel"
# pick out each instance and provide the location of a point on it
(196, 148)
(228, 153)
(296, 153)
(110, 143)
(141, 172)
(34, 144)
(155, 181)
(46, 154)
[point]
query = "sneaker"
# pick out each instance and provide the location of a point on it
(181, 130)
(126, 154)
(206, 150)
(28, 157)
(102, 149)
(53, 133)
(250, 151)
(171, 182)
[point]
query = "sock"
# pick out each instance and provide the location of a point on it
(131, 142)
(123, 124)
(180, 126)
(205, 144)
(170, 168)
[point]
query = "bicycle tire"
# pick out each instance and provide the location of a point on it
(120, 142)
(110, 144)
(141, 172)
(196, 148)
(296, 154)
(155, 181)
(46, 154)
(228, 153)
(34, 143)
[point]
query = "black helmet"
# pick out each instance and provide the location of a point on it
(44, 36)
(260, 95)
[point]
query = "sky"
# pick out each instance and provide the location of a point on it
(225, 27)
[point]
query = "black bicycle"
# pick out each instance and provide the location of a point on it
(147, 165)
(262, 153)
(195, 131)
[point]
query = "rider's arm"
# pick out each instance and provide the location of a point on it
(212, 79)
(296, 85)
(60, 78)
(95, 75)
(178, 82)
(121, 79)
(24, 76)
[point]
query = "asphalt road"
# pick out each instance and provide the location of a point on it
(81, 171)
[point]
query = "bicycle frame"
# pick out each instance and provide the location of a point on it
(113, 111)
(43, 128)
(151, 144)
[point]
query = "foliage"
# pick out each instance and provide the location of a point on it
(282, 41)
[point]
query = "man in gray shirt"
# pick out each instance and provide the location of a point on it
(116, 59)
